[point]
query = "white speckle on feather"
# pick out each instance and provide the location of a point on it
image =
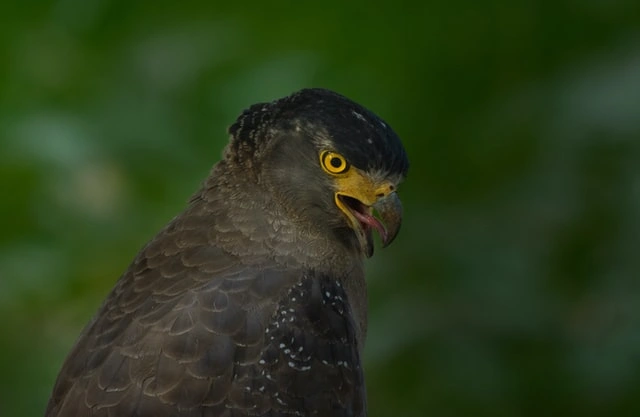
(282, 346)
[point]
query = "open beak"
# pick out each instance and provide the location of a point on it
(389, 209)
(361, 204)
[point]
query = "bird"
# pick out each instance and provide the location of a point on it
(252, 301)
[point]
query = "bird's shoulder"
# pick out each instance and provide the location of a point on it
(189, 325)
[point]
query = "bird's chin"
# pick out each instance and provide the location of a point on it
(357, 237)
(365, 237)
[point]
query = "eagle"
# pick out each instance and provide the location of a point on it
(252, 301)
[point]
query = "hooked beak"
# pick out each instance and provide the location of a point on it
(389, 209)
(361, 202)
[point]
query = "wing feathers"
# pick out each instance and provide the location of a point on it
(198, 333)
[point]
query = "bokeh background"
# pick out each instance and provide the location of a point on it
(514, 287)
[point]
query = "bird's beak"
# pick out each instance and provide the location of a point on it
(389, 209)
(360, 198)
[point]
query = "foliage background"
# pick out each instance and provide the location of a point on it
(513, 289)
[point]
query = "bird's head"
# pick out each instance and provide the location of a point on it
(332, 165)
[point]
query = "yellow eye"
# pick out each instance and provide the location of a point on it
(333, 163)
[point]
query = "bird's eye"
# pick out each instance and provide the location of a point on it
(333, 163)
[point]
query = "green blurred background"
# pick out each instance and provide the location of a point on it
(514, 287)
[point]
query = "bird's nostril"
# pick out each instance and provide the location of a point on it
(390, 188)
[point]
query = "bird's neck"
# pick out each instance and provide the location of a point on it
(250, 224)
(246, 222)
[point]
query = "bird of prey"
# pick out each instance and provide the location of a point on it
(252, 301)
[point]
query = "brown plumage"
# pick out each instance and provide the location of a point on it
(252, 301)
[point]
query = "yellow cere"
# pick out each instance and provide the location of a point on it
(357, 184)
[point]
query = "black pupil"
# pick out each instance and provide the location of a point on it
(336, 162)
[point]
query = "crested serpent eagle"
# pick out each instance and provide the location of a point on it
(252, 301)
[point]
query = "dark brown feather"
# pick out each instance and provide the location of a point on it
(214, 336)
